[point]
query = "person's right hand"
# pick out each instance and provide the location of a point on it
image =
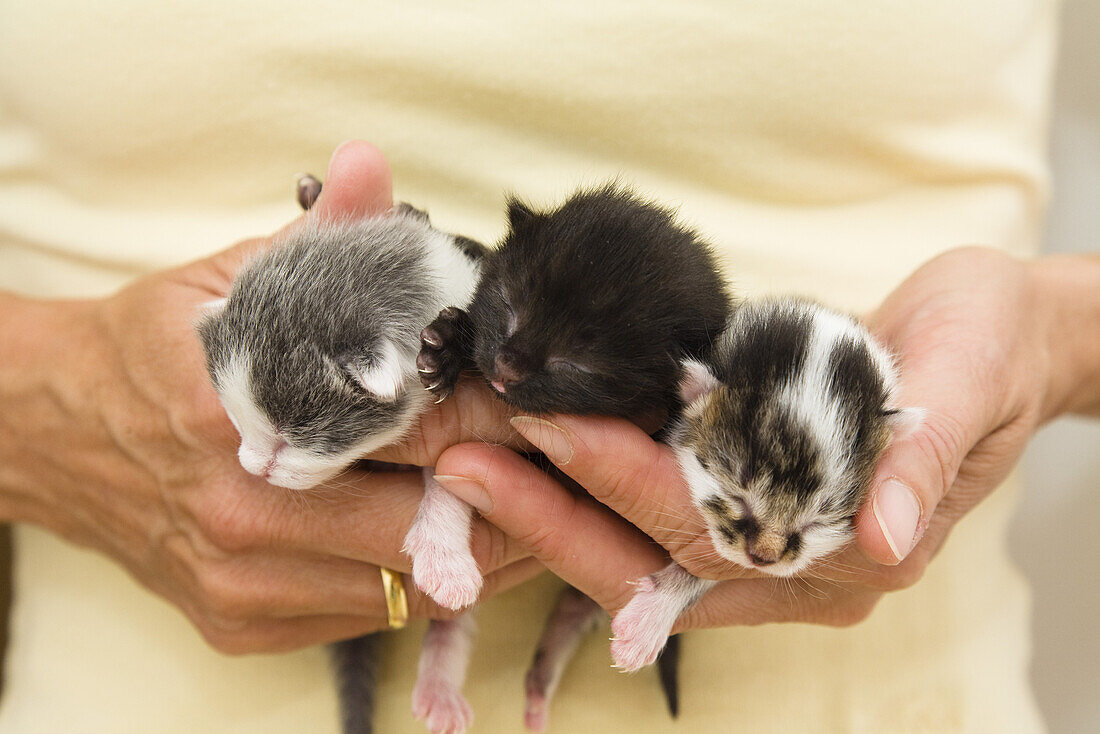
(121, 444)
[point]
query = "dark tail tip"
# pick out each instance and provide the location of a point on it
(668, 668)
(355, 664)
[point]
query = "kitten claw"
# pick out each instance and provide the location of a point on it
(431, 337)
(443, 352)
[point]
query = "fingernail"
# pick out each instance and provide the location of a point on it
(336, 154)
(552, 440)
(467, 490)
(898, 511)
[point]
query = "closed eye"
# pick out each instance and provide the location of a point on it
(510, 313)
(559, 364)
(738, 504)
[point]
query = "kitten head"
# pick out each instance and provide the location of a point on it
(312, 354)
(588, 308)
(782, 431)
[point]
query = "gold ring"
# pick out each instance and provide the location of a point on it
(397, 604)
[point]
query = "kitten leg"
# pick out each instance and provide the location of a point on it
(574, 616)
(439, 544)
(437, 698)
(446, 348)
(642, 627)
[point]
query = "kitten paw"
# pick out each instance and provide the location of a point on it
(449, 576)
(441, 707)
(536, 716)
(641, 628)
(442, 358)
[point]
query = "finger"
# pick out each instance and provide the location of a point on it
(762, 601)
(575, 537)
(360, 516)
(918, 469)
(472, 413)
(358, 184)
(277, 634)
(624, 468)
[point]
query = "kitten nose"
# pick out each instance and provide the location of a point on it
(760, 561)
(506, 372)
(766, 548)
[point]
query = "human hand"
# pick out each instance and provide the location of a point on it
(974, 331)
(122, 445)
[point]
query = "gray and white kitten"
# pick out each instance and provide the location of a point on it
(784, 423)
(313, 356)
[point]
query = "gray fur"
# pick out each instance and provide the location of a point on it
(309, 317)
(318, 304)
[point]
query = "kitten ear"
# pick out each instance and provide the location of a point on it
(519, 214)
(903, 422)
(383, 374)
(696, 380)
(404, 207)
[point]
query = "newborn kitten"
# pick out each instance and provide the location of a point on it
(785, 422)
(312, 355)
(585, 309)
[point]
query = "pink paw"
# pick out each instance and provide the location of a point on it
(641, 628)
(537, 714)
(449, 576)
(441, 707)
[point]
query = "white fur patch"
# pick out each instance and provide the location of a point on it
(267, 454)
(702, 483)
(439, 545)
(388, 375)
(807, 396)
(456, 273)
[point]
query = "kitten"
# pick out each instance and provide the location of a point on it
(785, 421)
(313, 357)
(586, 309)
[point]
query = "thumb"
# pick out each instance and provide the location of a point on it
(918, 468)
(358, 184)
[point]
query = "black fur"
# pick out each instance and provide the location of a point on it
(668, 671)
(605, 293)
(586, 309)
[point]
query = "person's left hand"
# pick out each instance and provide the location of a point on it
(971, 329)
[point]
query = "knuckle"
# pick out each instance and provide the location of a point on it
(489, 547)
(942, 445)
(544, 542)
(230, 526)
(226, 602)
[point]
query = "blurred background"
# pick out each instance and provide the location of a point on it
(1056, 534)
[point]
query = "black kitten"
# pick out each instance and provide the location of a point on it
(585, 309)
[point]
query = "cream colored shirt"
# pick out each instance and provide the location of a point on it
(828, 148)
